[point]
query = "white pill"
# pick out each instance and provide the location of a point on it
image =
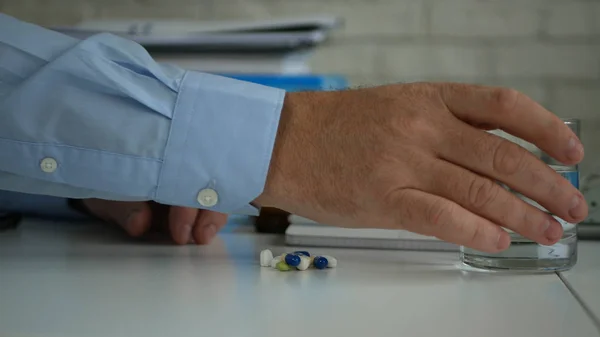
(331, 261)
(265, 258)
(304, 263)
(275, 261)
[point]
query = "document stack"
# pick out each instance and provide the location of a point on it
(271, 52)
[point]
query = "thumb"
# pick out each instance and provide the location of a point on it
(133, 217)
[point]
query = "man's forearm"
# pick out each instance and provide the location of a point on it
(99, 118)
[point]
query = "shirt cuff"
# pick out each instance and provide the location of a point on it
(220, 143)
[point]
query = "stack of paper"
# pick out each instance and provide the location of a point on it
(279, 46)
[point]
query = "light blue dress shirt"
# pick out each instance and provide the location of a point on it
(99, 118)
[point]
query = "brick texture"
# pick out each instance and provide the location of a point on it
(545, 60)
(581, 100)
(434, 61)
(473, 18)
(572, 18)
(348, 59)
(184, 11)
(48, 13)
(590, 139)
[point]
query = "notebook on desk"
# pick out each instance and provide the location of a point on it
(304, 232)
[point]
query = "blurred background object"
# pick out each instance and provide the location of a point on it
(549, 50)
(271, 46)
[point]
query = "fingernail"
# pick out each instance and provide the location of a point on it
(577, 209)
(552, 230)
(183, 234)
(575, 149)
(209, 232)
(503, 242)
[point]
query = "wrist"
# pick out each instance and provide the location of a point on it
(287, 156)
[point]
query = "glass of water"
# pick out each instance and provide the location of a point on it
(524, 254)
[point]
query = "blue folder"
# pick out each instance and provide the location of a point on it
(295, 82)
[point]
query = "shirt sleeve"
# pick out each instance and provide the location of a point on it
(99, 118)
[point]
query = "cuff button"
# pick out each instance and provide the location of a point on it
(208, 197)
(48, 165)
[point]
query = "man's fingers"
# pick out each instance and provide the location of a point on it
(516, 114)
(490, 200)
(505, 161)
(432, 215)
(181, 223)
(208, 225)
(134, 217)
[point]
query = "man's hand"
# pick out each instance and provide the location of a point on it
(416, 157)
(136, 218)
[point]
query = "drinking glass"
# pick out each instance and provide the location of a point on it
(525, 254)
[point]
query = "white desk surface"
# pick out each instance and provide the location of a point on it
(584, 278)
(74, 280)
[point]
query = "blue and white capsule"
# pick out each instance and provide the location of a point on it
(331, 261)
(320, 262)
(292, 260)
(304, 263)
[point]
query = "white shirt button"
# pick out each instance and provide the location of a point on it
(48, 165)
(208, 197)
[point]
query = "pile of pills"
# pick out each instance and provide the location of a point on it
(301, 260)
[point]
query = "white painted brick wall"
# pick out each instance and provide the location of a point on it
(434, 61)
(590, 138)
(573, 61)
(244, 9)
(347, 59)
(572, 18)
(48, 12)
(476, 18)
(577, 100)
(139, 10)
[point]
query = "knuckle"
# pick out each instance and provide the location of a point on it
(557, 189)
(508, 158)
(416, 128)
(548, 184)
(411, 120)
(482, 193)
(477, 235)
(393, 197)
(538, 178)
(439, 213)
(416, 123)
(519, 214)
(402, 209)
(505, 99)
(554, 189)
